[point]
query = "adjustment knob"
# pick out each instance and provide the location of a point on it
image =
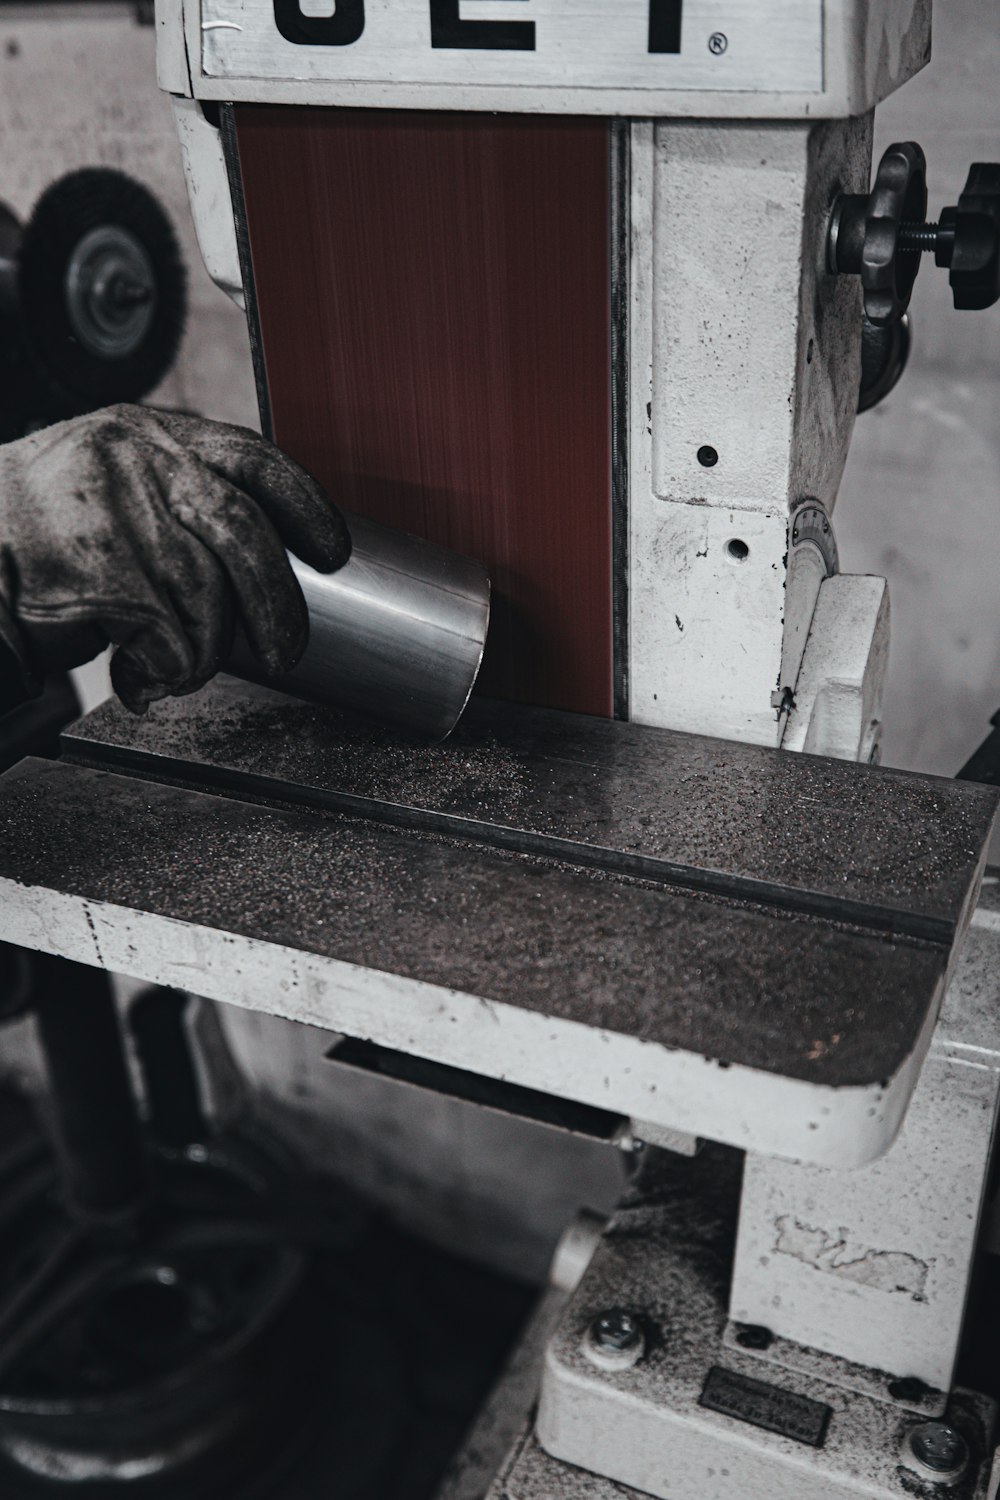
(865, 233)
(967, 239)
(881, 237)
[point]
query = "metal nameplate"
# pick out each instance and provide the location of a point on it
(558, 47)
(766, 1406)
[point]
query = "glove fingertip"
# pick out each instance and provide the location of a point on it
(280, 649)
(329, 544)
(131, 685)
(136, 702)
(324, 538)
(287, 657)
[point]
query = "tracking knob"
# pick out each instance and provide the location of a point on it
(865, 233)
(882, 235)
(966, 238)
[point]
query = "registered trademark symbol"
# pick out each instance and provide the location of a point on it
(717, 43)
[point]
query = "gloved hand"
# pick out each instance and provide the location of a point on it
(157, 532)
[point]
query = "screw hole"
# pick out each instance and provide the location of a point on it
(738, 551)
(708, 457)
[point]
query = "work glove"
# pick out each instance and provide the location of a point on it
(158, 533)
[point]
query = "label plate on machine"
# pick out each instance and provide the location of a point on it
(767, 1406)
(358, 51)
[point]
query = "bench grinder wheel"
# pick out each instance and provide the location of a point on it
(100, 294)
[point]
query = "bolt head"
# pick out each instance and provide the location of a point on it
(909, 1388)
(939, 1448)
(616, 1330)
(754, 1336)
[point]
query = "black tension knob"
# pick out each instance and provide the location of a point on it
(966, 239)
(882, 235)
(865, 229)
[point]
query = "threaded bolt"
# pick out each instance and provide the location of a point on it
(920, 237)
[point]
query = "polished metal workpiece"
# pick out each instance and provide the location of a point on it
(396, 634)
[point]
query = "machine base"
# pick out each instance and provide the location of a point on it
(695, 1411)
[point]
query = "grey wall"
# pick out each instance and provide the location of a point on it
(920, 503)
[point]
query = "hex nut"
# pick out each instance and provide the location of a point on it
(615, 1339)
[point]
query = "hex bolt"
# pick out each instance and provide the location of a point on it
(940, 1450)
(616, 1329)
(754, 1336)
(908, 1388)
(615, 1339)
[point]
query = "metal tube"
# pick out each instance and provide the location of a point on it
(396, 634)
(96, 1126)
(166, 1058)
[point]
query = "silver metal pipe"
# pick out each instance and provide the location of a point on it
(396, 634)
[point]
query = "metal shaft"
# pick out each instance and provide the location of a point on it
(173, 1091)
(96, 1125)
(923, 237)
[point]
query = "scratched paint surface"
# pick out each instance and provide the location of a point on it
(834, 1254)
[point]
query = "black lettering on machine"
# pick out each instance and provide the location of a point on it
(338, 30)
(449, 28)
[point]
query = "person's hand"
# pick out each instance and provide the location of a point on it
(156, 532)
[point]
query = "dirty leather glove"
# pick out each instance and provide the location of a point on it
(159, 533)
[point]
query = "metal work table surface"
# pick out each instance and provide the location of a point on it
(881, 847)
(700, 935)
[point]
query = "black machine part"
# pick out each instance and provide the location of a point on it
(97, 297)
(880, 236)
(865, 232)
(10, 244)
(884, 353)
(984, 764)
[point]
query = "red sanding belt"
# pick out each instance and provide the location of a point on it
(434, 314)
